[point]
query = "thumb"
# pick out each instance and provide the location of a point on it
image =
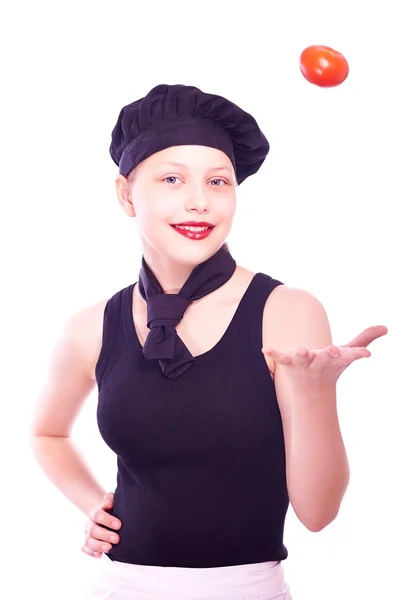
(367, 336)
(108, 500)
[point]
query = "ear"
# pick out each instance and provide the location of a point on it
(123, 191)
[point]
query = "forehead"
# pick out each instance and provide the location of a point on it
(190, 157)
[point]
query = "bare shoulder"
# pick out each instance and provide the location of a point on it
(71, 372)
(86, 325)
(293, 317)
(285, 302)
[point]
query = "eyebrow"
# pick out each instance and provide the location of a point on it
(181, 165)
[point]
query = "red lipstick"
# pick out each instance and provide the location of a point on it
(194, 230)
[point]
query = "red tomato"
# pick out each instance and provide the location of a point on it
(323, 66)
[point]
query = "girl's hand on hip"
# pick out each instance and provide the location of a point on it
(98, 538)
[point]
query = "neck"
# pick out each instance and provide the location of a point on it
(170, 275)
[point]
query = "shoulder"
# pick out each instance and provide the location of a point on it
(284, 298)
(293, 317)
(85, 330)
(70, 374)
(86, 319)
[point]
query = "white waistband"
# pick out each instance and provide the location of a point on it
(146, 582)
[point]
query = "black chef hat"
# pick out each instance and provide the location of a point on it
(175, 115)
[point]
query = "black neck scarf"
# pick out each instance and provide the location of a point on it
(165, 311)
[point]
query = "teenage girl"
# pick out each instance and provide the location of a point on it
(217, 385)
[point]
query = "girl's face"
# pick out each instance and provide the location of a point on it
(178, 185)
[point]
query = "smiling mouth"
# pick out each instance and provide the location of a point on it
(193, 232)
(193, 227)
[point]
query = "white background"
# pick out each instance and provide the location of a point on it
(321, 215)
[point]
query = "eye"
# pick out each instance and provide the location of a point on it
(219, 182)
(172, 179)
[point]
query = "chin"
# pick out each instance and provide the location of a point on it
(185, 251)
(195, 257)
(193, 253)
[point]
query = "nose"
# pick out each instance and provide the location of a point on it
(197, 201)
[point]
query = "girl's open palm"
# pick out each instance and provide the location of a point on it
(325, 365)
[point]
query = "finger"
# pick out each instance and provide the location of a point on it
(350, 355)
(334, 351)
(97, 545)
(302, 356)
(281, 357)
(90, 552)
(367, 336)
(347, 355)
(356, 354)
(105, 535)
(103, 518)
(108, 500)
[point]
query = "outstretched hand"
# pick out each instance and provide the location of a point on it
(324, 366)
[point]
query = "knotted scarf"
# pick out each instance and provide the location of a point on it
(165, 311)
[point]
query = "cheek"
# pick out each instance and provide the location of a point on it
(229, 208)
(151, 215)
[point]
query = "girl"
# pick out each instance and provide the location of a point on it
(217, 385)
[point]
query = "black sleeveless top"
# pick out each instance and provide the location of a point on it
(201, 462)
